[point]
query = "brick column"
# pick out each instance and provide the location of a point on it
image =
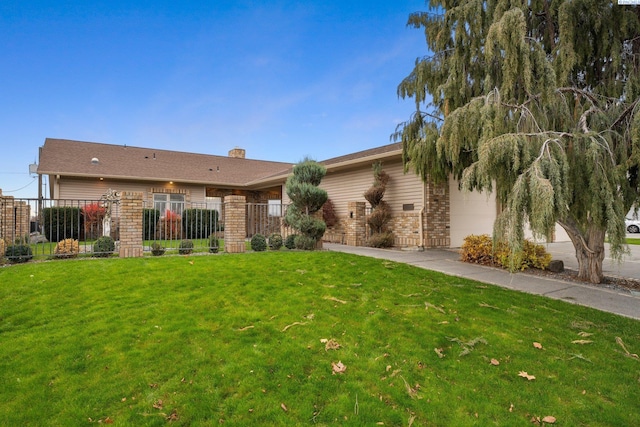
(355, 224)
(235, 223)
(437, 216)
(131, 224)
(7, 218)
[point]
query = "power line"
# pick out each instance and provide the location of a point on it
(21, 188)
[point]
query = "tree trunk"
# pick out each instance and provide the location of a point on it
(589, 251)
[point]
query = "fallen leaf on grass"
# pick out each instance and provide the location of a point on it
(245, 328)
(524, 374)
(284, 407)
(549, 419)
(584, 334)
(412, 391)
(173, 416)
(108, 421)
(582, 342)
(338, 368)
(627, 353)
(158, 404)
(537, 345)
(331, 344)
(293, 324)
(495, 362)
(428, 305)
(511, 408)
(439, 352)
(335, 299)
(485, 305)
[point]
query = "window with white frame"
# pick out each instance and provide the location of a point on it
(214, 203)
(169, 202)
(275, 208)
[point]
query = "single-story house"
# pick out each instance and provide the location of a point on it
(424, 215)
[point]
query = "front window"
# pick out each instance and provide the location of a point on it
(275, 208)
(214, 203)
(168, 202)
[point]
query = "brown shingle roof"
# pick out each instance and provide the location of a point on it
(373, 152)
(74, 158)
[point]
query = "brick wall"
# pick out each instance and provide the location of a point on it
(234, 224)
(131, 224)
(437, 215)
(14, 218)
(355, 224)
(406, 229)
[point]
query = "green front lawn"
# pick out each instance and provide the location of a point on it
(297, 338)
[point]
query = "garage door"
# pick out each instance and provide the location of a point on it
(471, 213)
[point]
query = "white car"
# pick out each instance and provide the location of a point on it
(633, 225)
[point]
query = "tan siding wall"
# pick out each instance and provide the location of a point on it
(73, 188)
(349, 186)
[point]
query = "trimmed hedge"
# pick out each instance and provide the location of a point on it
(62, 222)
(150, 218)
(199, 223)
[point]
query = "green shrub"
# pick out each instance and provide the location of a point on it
(62, 222)
(290, 241)
(275, 242)
(477, 249)
(150, 218)
(18, 253)
(67, 248)
(199, 223)
(381, 240)
(258, 243)
(305, 242)
(214, 244)
(104, 246)
(186, 247)
(157, 249)
(482, 250)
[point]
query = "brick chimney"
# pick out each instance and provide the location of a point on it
(237, 153)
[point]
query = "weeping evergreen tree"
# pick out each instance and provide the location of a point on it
(306, 199)
(537, 100)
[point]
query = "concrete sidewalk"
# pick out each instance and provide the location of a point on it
(448, 262)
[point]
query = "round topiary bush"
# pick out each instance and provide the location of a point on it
(275, 242)
(258, 243)
(157, 249)
(104, 246)
(214, 244)
(186, 247)
(290, 241)
(18, 253)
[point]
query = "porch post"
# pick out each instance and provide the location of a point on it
(235, 223)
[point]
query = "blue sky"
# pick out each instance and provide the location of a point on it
(281, 79)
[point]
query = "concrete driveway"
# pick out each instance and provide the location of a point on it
(628, 268)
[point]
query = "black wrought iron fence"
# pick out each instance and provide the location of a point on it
(41, 224)
(267, 219)
(188, 228)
